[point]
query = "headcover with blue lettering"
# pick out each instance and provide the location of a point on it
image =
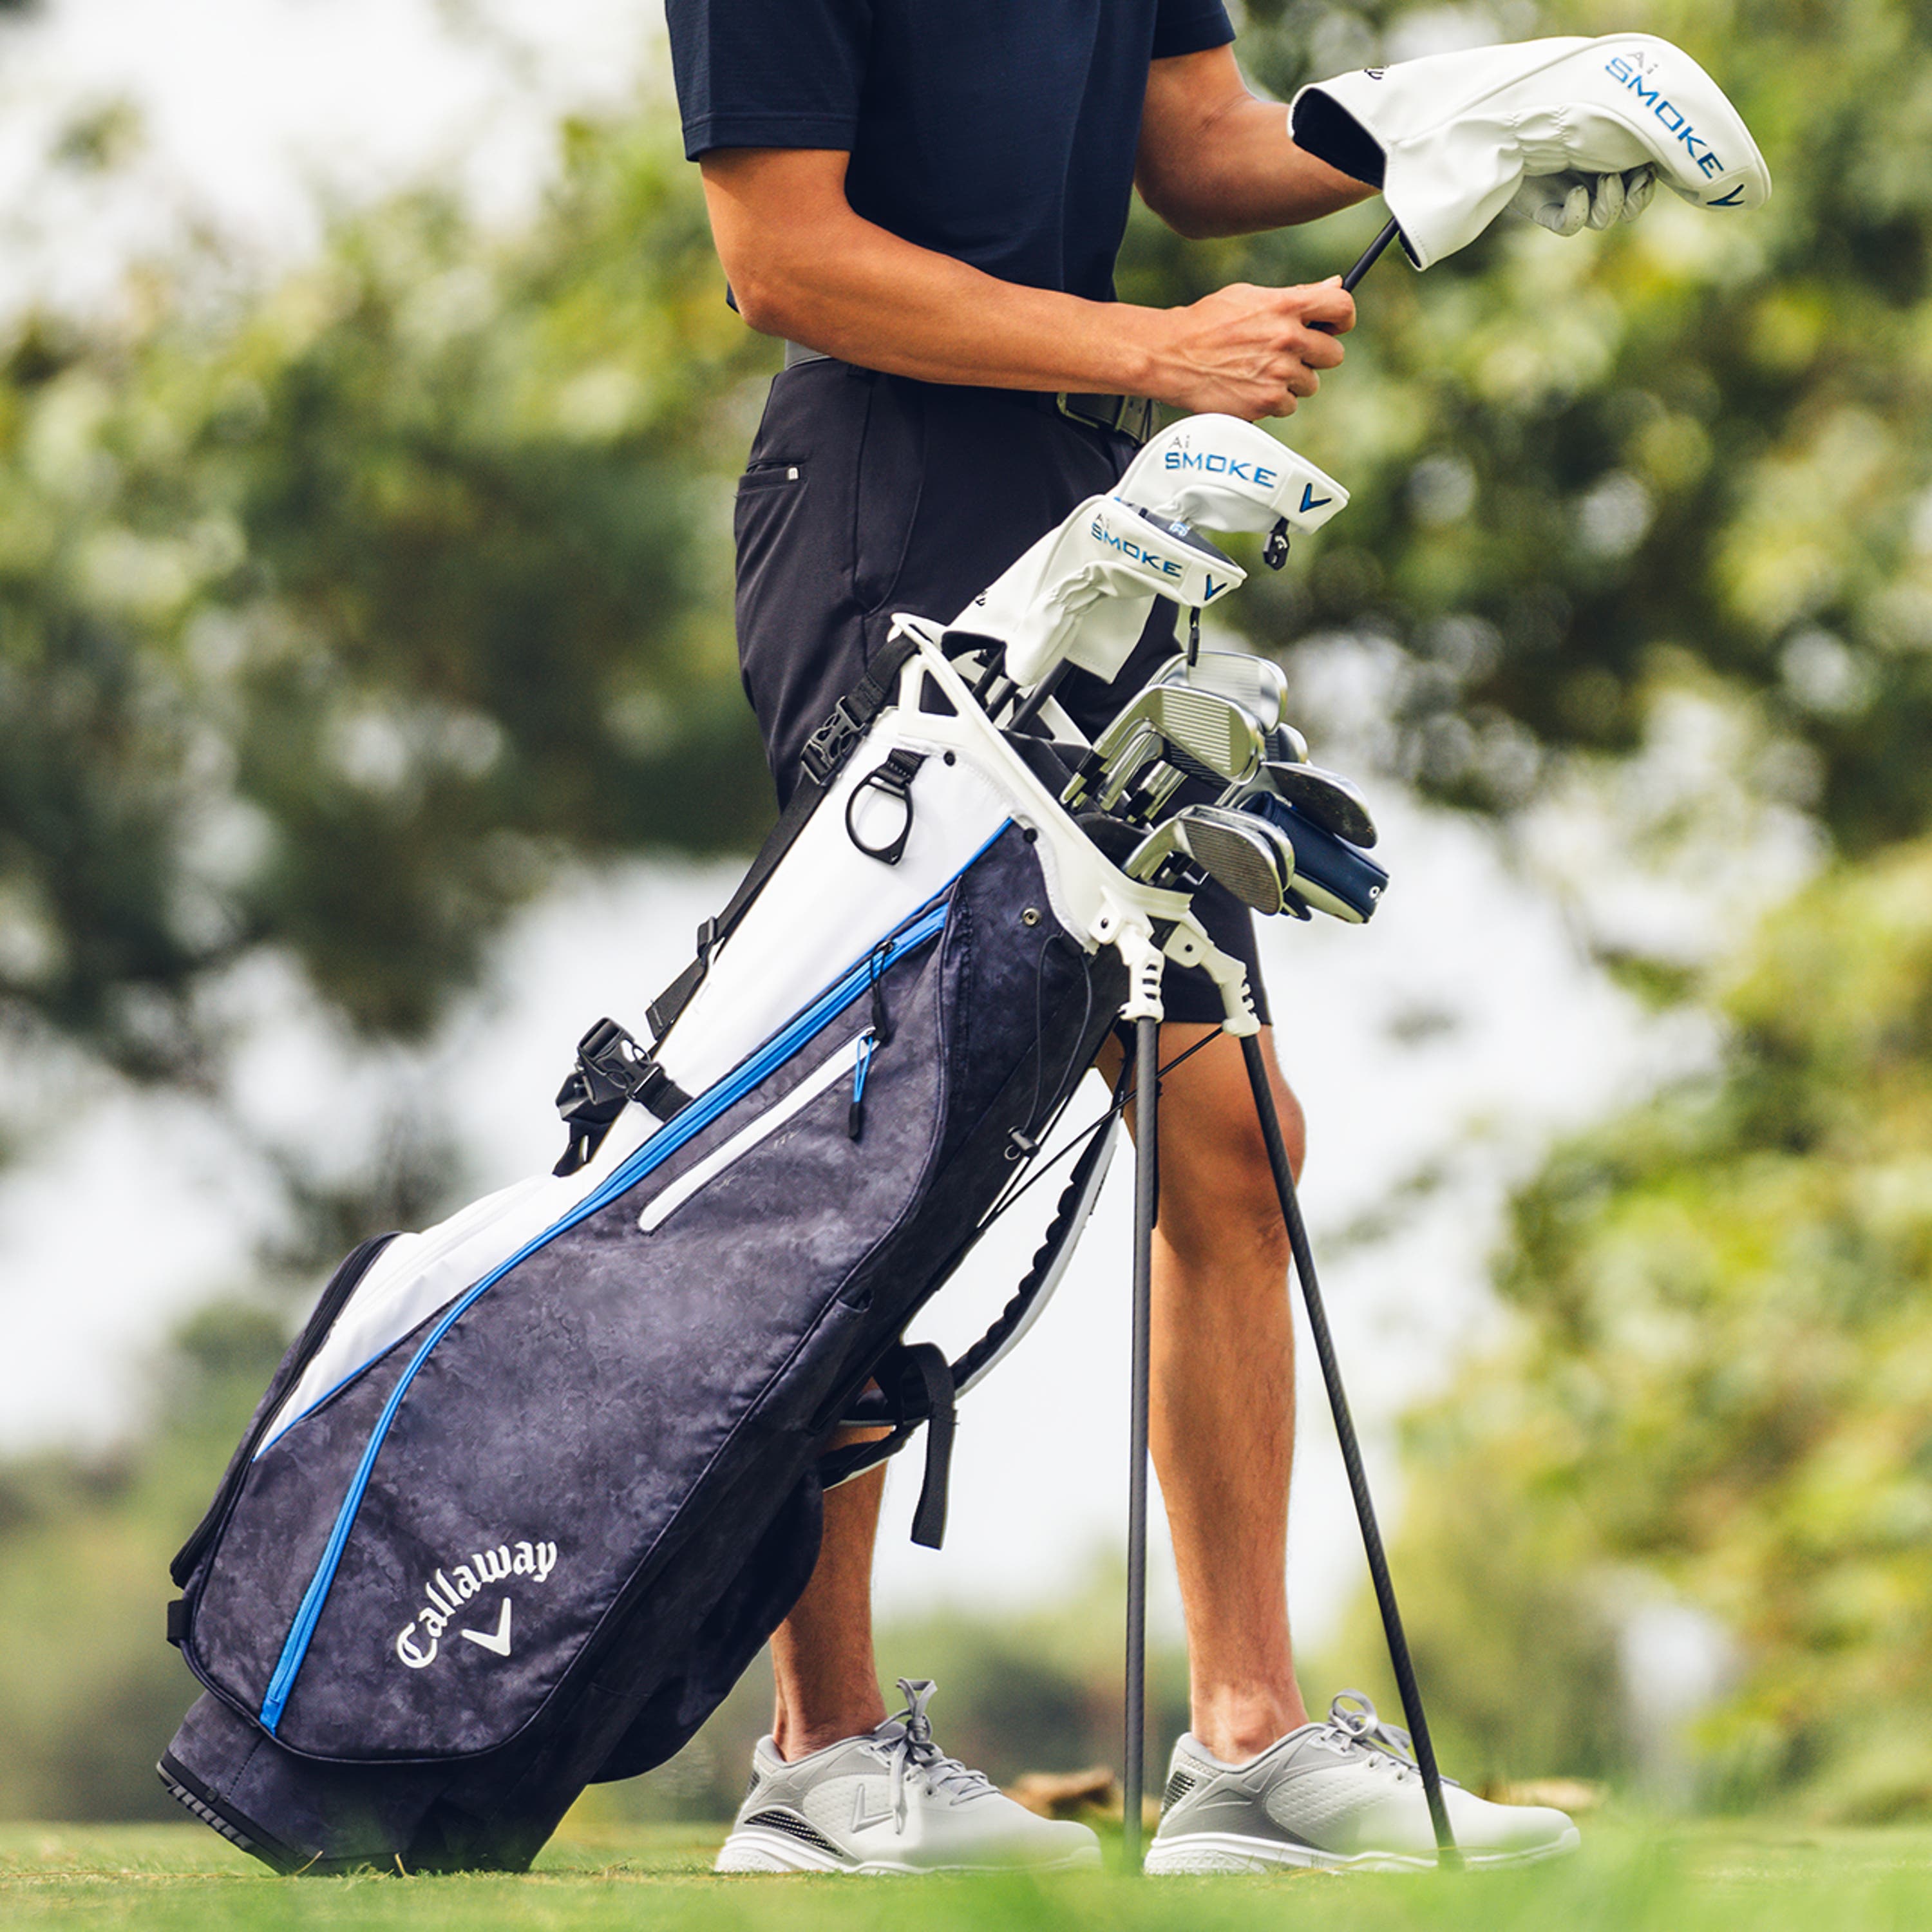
(1453, 136)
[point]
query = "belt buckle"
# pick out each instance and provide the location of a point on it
(1121, 415)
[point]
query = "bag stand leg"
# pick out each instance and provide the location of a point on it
(1352, 1455)
(1146, 1058)
(1147, 1194)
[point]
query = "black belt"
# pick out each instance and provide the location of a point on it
(1131, 416)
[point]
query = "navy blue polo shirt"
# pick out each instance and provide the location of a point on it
(999, 132)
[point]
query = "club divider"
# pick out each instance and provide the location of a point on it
(1147, 1199)
(1253, 1054)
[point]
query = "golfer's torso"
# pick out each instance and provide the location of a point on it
(1002, 132)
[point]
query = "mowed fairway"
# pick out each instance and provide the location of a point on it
(1729, 1877)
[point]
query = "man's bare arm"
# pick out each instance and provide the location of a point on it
(1216, 159)
(804, 266)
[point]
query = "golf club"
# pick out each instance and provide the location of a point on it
(1205, 735)
(1326, 798)
(1330, 874)
(1254, 859)
(1258, 685)
(1287, 746)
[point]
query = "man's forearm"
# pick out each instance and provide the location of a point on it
(804, 266)
(851, 288)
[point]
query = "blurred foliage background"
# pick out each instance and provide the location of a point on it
(337, 616)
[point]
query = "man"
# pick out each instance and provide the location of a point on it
(925, 200)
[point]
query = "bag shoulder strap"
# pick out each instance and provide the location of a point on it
(825, 754)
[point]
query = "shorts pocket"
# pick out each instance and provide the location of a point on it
(763, 476)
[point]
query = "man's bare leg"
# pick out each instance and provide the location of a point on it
(822, 1662)
(1222, 1408)
(1223, 1434)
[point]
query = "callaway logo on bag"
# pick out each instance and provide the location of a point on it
(445, 1595)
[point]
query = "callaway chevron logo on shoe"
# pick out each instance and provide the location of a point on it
(1344, 1794)
(890, 1801)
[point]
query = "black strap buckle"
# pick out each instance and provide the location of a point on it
(828, 748)
(612, 1070)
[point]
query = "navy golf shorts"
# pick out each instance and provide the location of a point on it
(866, 494)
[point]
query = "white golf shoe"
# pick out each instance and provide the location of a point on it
(1344, 1794)
(890, 1801)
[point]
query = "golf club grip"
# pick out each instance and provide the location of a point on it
(1366, 260)
(1146, 1199)
(1400, 1662)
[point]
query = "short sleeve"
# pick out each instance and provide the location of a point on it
(1190, 27)
(768, 73)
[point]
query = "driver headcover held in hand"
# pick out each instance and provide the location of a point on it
(1451, 138)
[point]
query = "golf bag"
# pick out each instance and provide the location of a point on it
(531, 1488)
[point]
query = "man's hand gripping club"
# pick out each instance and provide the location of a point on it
(1252, 352)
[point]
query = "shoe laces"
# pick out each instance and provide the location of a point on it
(1354, 1719)
(912, 1753)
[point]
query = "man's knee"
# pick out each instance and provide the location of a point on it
(1219, 1202)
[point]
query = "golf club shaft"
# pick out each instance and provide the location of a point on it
(1147, 1195)
(1030, 705)
(1370, 257)
(1251, 1051)
(1364, 262)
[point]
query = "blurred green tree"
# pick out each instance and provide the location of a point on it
(1721, 1387)
(335, 624)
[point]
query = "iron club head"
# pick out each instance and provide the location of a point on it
(1254, 859)
(1258, 685)
(1333, 802)
(1199, 733)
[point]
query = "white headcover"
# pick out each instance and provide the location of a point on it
(1224, 474)
(1459, 131)
(1083, 592)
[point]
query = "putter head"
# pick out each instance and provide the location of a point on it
(1252, 858)
(1258, 685)
(1333, 802)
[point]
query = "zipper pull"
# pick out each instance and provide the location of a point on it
(855, 1117)
(881, 1029)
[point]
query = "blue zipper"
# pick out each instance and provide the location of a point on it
(675, 1134)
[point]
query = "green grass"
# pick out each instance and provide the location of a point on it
(1629, 1878)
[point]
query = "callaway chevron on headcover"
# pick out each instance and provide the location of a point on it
(1450, 138)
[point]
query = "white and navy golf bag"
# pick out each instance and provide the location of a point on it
(533, 1487)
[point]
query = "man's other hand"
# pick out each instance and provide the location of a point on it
(1250, 352)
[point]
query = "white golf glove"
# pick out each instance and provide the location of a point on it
(1567, 203)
